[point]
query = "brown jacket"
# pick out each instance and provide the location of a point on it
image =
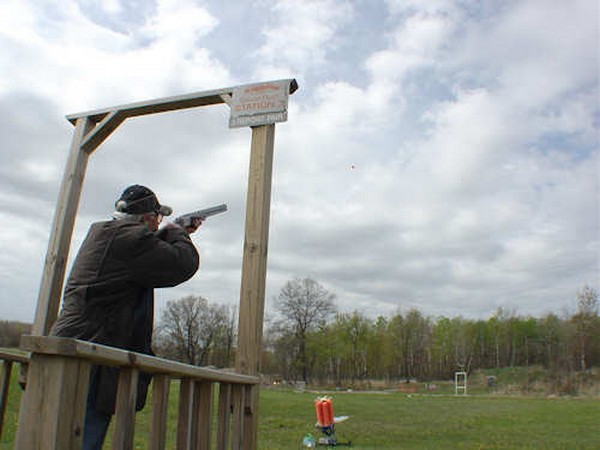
(109, 296)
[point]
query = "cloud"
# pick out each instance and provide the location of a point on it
(439, 155)
(299, 36)
(102, 66)
(465, 193)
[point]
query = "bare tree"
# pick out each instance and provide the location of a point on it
(304, 305)
(190, 328)
(223, 352)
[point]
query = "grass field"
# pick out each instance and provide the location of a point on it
(400, 421)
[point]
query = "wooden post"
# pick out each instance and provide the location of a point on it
(184, 421)
(250, 408)
(224, 416)
(53, 409)
(158, 422)
(254, 266)
(62, 231)
(203, 400)
(237, 433)
(125, 409)
(6, 371)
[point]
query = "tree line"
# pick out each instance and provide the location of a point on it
(309, 339)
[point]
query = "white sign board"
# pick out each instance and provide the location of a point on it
(259, 104)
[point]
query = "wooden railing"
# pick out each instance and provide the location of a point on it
(8, 361)
(53, 408)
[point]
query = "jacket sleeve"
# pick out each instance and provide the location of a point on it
(162, 259)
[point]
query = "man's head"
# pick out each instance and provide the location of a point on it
(138, 200)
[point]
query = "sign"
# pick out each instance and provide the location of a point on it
(259, 104)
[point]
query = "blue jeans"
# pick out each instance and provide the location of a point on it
(96, 422)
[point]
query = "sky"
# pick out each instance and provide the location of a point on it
(438, 155)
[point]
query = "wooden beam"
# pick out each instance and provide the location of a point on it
(61, 232)
(104, 129)
(254, 266)
(14, 357)
(203, 98)
(111, 356)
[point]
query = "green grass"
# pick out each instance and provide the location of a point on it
(399, 421)
(11, 416)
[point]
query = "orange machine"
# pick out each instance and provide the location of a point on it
(326, 422)
(324, 408)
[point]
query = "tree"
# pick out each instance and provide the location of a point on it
(503, 333)
(352, 348)
(190, 328)
(411, 335)
(551, 332)
(584, 319)
(354, 329)
(380, 350)
(11, 332)
(304, 305)
(223, 351)
(453, 343)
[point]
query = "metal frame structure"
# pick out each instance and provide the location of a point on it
(460, 383)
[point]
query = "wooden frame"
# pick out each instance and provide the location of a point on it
(91, 129)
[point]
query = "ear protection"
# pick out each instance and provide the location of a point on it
(123, 205)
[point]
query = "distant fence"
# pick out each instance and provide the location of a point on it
(53, 407)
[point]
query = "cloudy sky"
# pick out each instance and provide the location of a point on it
(441, 155)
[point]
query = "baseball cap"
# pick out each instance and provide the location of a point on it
(137, 199)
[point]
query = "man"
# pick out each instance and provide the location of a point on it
(109, 297)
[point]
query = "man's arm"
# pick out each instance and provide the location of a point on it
(165, 260)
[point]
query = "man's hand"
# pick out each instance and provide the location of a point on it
(191, 228)
(194, 225)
